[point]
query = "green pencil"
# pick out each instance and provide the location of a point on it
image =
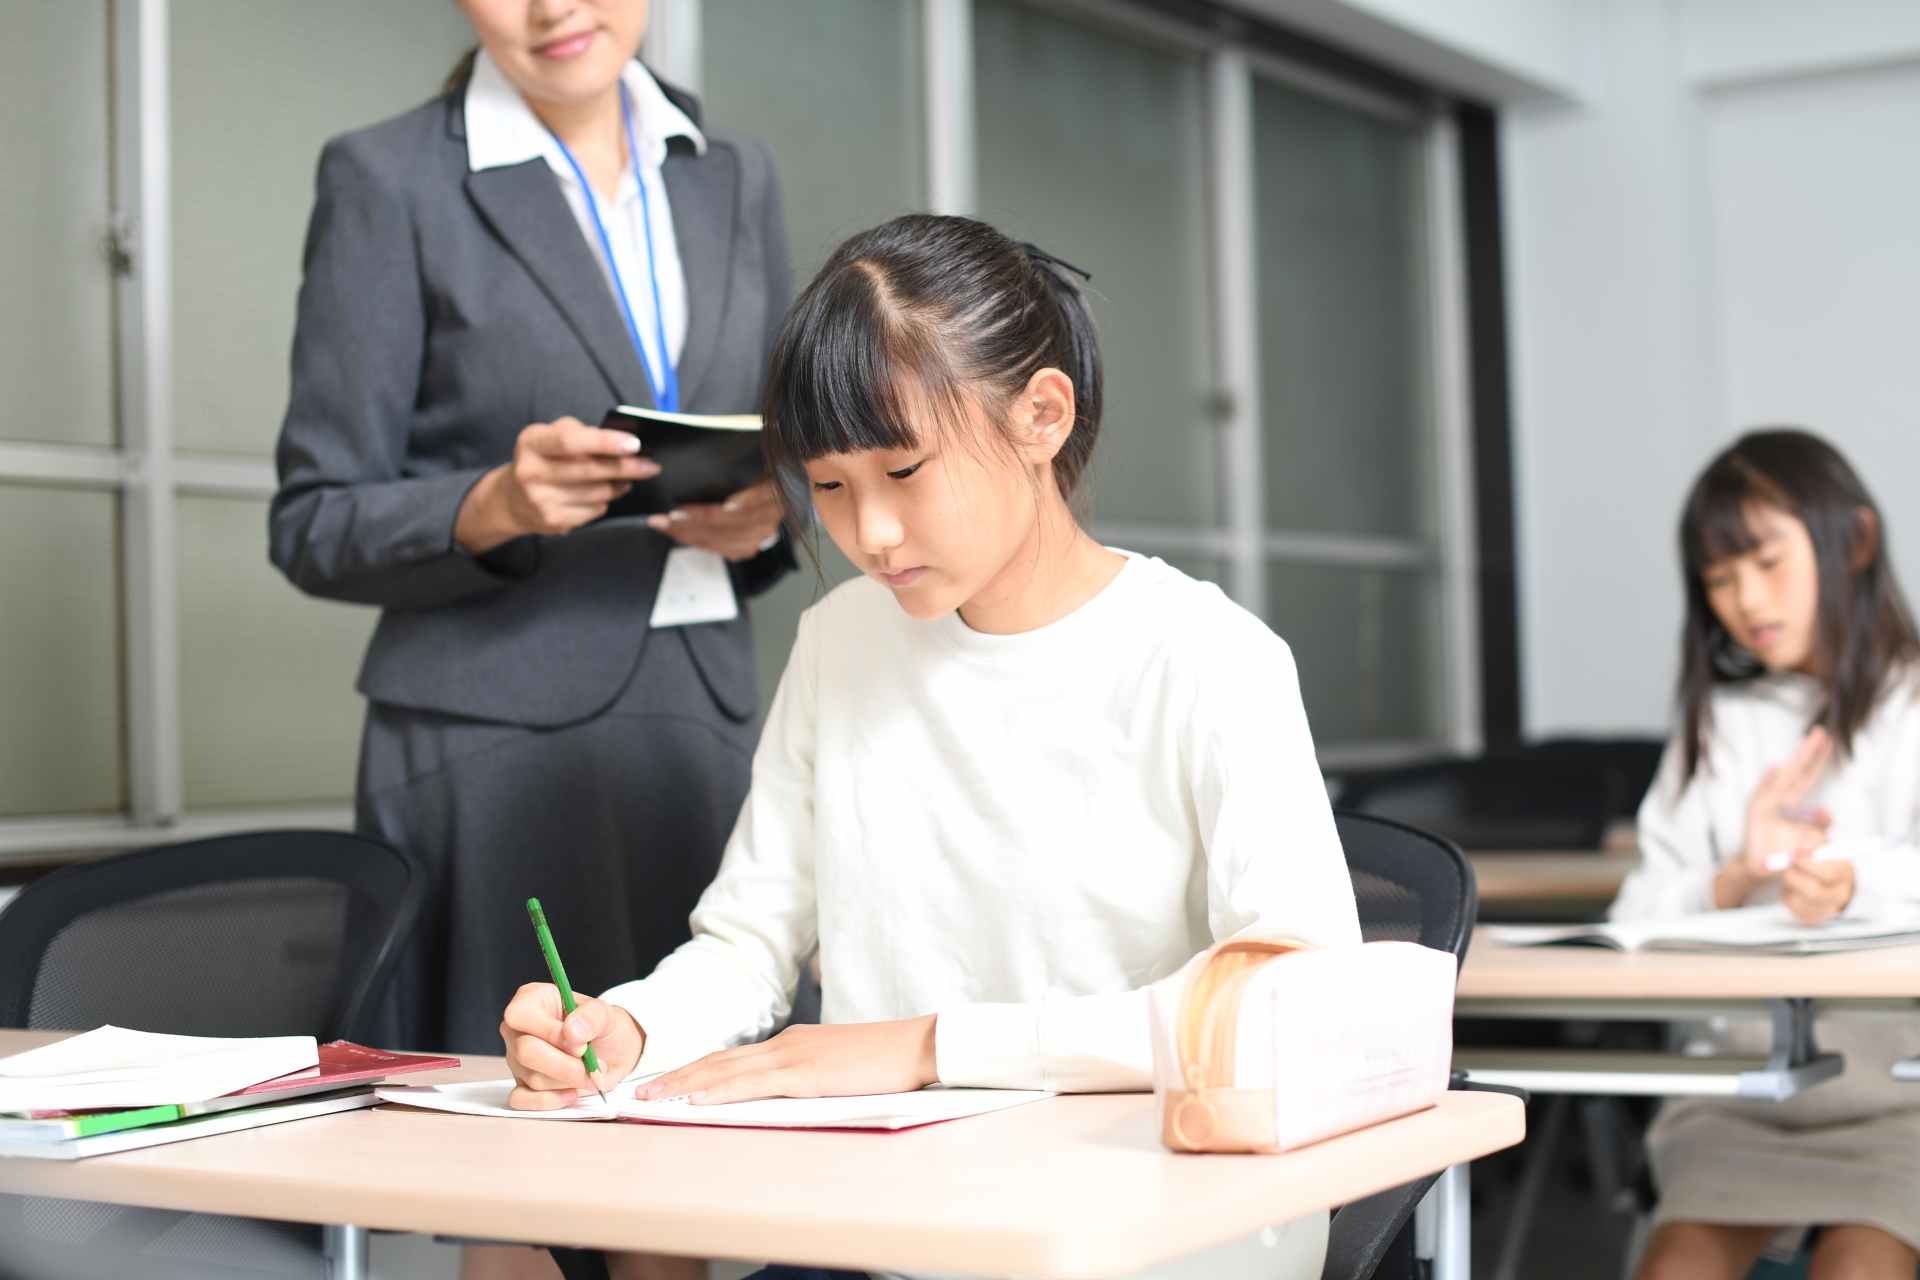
(559, 973)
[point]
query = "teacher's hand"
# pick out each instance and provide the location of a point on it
(545, 1044)
(737, 528)
(563, 474)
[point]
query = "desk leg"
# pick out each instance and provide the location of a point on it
(345, 1249)
(1443, 1226)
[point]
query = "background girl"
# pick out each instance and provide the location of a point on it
(1800, 705)
(1011, 776)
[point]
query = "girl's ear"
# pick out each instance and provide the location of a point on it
(1866, 538)
(1043, 416)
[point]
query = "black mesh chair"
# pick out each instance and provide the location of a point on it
(271, 933)
(1410, 886)
(264, 934)
(1491, 802)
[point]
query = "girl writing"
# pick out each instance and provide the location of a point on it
(1011, 776)
(1800, 702)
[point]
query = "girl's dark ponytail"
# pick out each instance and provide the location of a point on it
(1086, 369)
(945, 306)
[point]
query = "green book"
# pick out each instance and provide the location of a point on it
(65, 1128)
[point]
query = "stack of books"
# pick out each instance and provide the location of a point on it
(116, 1090)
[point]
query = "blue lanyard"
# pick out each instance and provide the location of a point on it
(666, 388)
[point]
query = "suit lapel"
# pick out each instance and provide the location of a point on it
(523, 205)
(704, 192)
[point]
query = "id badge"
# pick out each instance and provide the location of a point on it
(695, 587)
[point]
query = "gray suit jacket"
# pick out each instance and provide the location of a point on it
(444, 310)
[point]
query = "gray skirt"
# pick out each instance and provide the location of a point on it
(616, 824)
(1847, 1151)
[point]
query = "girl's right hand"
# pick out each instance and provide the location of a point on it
(563, 474)
(1776, 823)
(544, 1045)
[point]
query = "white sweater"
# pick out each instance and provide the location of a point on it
(1016, 832)
(1688, 829)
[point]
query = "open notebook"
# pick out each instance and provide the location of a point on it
(874, 1111)
(1763, 930)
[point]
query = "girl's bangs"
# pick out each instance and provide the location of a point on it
(842, 391)
(1717, 524)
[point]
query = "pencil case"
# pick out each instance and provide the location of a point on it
(1266, 1046)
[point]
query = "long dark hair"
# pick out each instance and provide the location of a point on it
(1863, 631)
(946, 306)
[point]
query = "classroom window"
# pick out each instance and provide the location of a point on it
(1092, 146)
(1348, 438)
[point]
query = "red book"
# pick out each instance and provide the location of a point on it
(343, 1062)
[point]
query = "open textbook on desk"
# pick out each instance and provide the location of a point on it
(883, 1111)
(1763, 930)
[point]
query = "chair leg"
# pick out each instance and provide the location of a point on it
(1513, 1242)
(345, 1249)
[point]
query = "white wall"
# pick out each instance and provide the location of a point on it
(1722, 231)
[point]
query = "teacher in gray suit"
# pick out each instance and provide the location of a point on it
(485, 275)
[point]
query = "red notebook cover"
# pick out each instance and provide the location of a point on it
(343, 1062)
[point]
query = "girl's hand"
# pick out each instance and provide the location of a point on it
(563, 474)
(1816, 892)
(737, 528)
(543, 1051)
(1775, 823)
(839, 1061)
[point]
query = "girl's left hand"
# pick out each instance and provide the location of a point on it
(839, 1061)
(737, 528)
(1816, 892)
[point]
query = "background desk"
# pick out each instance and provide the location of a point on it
(1068, 1187)
(1550, 886)
(1594, 983)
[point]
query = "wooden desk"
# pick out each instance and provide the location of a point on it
(1596, 983)
(1494, 972)
(1069, 1187)
(1586, 878)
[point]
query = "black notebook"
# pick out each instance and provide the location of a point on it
(702, 457)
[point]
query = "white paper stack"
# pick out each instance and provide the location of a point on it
(112, 1067)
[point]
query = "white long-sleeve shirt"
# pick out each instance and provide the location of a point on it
(1688, 830)
(1014, 832)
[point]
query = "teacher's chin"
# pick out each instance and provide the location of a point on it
(557, 233)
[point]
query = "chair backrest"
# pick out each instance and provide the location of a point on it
(1410, 886)
(1491, 802)
(1628, 764)
(267, 933)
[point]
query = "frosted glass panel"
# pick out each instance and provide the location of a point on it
(257, 89)
(1367, 644)
(1343, 362)
(266, 674)
(1091, 147)
(60, 741)
(56, 292)
(831, 85)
